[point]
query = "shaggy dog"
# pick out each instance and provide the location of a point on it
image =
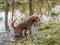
(25, 25)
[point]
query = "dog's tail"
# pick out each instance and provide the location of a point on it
(12, 23)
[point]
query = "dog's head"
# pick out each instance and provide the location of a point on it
(35, 18)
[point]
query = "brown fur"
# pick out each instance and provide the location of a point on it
(24, 25)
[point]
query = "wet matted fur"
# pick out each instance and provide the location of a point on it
(25, 25)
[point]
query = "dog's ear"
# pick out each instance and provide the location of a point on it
(31, 20)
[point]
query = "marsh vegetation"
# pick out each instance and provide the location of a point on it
(46, 32)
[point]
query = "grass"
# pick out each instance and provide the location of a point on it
(48, 36)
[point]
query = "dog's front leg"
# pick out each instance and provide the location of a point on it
(29, 31)
(25, 32)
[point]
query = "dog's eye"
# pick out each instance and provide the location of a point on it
(36, 17)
